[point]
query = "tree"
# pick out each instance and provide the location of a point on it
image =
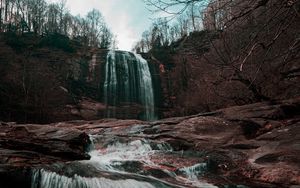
(174, 7)
(52, 13)
(20, 16)
(96, 24)
(1, 12)
(249, 50)
(62, 13)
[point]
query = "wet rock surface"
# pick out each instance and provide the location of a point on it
(35, 144)
(23, 147)
(256, 145)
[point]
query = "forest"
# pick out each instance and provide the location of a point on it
(43, 19)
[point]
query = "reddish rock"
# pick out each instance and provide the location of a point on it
(256, 145)
(30, 142)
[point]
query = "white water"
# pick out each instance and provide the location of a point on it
(192, 172)
(138, 150)
(146, 89)
(110, 83)
(141, 150)
(125, 59)
(46, 179)
(128, 79)
(113, 159)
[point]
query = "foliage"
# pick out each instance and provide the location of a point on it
(15, 41)
(59, 41)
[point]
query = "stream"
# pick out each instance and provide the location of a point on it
(123, 163)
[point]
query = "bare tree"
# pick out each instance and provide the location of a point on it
(96, 24)
(1, 12)
(20, 16)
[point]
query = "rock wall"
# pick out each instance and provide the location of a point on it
(199, 75)
(45, 85)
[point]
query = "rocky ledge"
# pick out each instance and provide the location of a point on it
(257, 145)
(23, 147)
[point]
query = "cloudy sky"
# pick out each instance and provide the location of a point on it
(126, 18)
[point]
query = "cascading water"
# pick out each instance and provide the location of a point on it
(136, 163)
(46, 179)
(110, 84)
(194, 171)
(137, 155)
(146, 89)
(128, 80)
(127, 162)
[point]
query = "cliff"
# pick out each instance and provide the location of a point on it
(204, 71)
(53, 78)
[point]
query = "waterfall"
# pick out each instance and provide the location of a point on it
(137, 150)
(45, 179)
(128, 164)
(194, 171)
(128, 80)
(110, 84)
(112, 161)
(146, 89)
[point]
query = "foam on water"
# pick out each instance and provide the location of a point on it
(45, 179)
(135, 155)
(137, 150)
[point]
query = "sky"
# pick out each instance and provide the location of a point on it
(127, 19)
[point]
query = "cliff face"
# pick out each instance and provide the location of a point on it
(32, 80)
(202, 73)
(43, 83)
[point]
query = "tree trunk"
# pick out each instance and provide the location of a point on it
(6, 10)
(1, 4)
(256, 91)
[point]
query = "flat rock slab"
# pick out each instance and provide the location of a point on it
(256, 145)
(40, 143)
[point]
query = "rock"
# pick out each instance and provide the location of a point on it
(23, 147)
(88, 109)
(45, 140)
(257, 143)
(15, 177)
(254, 145)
